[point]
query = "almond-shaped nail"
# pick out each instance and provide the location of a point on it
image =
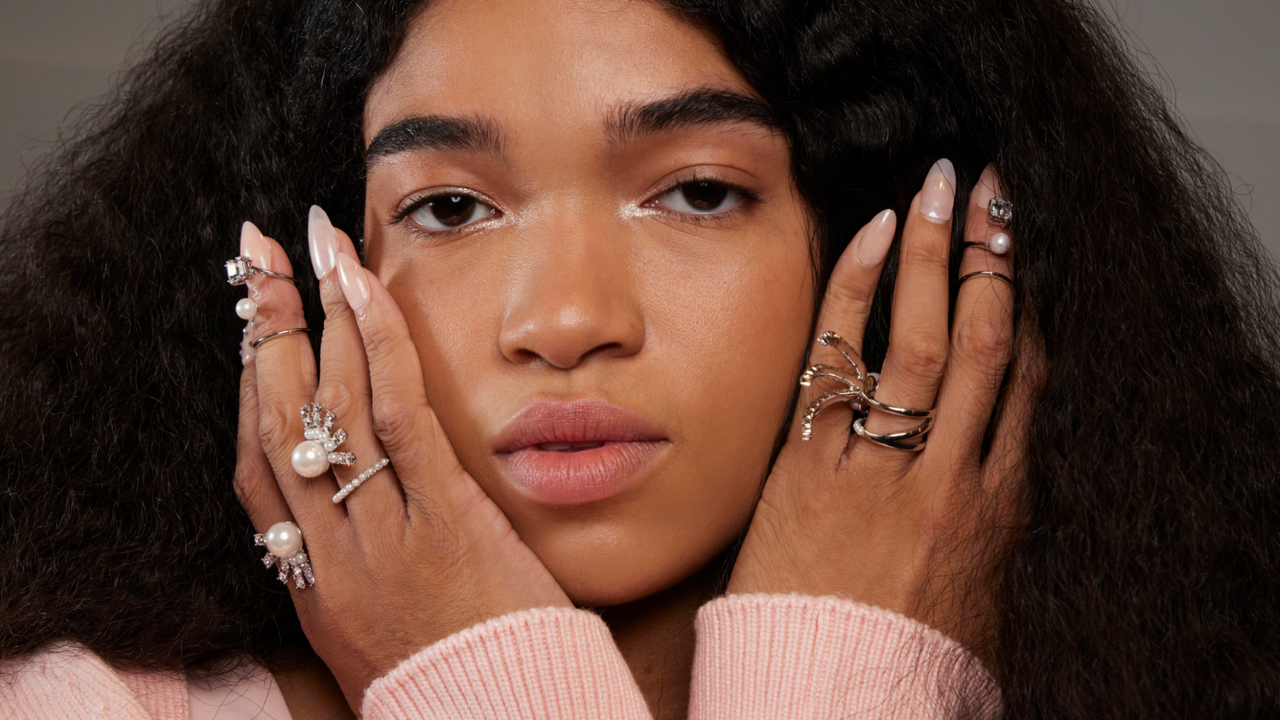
(354, 285)
(876, 239)
(988, 187)
(939, 194)
(322, 241)
(255, 247)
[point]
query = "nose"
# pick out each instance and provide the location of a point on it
(575, 300)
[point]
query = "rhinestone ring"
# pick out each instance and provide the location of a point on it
(313, 456)
(239, 270)
(283, 542)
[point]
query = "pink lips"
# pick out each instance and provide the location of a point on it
(571, 453)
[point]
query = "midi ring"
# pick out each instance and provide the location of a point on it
(987, 273)
(240, 269)
(351, 486)
(314, 455)
(283, 542)
(896, 440)
(999, 212)
(999, 244)
(255, 343)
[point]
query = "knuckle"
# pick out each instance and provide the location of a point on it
(248, 486)
(274, 423)
(981, 337)
(923, 253)
(393, 419)
(380, 340)
(849, 294)
(924, 356)
(338, 399)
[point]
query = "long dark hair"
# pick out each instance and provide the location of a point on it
(1145, 579)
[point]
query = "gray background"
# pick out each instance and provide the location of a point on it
(1217, 59)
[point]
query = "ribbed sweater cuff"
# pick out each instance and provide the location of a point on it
(553, 663)
(794, 656)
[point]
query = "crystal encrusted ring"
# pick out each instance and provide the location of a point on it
(239, 269)
(314, 455)
(283, 542)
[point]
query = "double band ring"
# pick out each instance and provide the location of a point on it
(240, 269)
(255, 343)
(283, 542)
(912, 440)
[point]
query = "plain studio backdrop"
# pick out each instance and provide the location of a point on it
(1218, 60)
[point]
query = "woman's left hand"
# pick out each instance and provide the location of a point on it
(840, 515)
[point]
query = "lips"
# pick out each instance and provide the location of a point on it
(577, 452)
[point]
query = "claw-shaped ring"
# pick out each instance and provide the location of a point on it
(314, 455)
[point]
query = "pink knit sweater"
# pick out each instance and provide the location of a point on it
(758, 656)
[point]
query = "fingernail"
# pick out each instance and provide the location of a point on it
(322, 241)
(354, 284)
(939, 194)
(875, 242)
(988, 187)
(255, 247)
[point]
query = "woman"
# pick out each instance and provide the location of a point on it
(1075, 526)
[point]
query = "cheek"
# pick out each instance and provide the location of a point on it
(725, 333)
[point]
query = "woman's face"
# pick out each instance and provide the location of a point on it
(590, 226)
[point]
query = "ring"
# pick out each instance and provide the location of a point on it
(999, 212)
(896, 440)
(351, 486)
(857, 383)
(987, 273)
(870, 399)
(283, 542)
(255, 343)
(240, 269)
(999, 245)
(314, 455)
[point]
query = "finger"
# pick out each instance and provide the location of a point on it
(286, 377)
(918, 341)
(981, 337)
(845, 308)
(402, 419)
(255, 483)
(344, 388)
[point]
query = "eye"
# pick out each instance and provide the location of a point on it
(700, 197)
(449, 211)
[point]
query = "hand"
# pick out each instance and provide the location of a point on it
(418, 551)
(840, 515)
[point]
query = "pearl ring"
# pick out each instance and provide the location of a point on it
(283, 542)
(313, 456)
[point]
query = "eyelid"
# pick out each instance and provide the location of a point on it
(414, 201)
(748, 197)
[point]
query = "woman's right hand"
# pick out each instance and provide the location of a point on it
(417, 552)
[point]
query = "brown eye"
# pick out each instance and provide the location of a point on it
(449, 211)
(700, 198)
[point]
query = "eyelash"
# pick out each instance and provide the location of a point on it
(748, 198)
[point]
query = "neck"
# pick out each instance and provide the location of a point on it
(655, 635)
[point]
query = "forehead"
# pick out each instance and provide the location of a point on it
(543, 64)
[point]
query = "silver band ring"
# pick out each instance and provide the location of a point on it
(351, 486)
(987, 273)
(255, 343)
(999, 212)
(870, 399)
(896, 440)
(240, 269)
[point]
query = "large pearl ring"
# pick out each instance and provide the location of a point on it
(313, 456)
(283, 542)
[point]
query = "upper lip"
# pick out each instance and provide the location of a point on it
(584, 420)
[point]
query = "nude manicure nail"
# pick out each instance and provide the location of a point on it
(322, 241)
(876, 239)
(939, 194)
(255, 247)
(354, 285)
(988, 187)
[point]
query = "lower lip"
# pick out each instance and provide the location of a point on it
(577, 478)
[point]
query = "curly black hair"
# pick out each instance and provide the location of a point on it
(1145, 579)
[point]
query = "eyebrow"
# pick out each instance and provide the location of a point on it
(434, 132)
(626, 124)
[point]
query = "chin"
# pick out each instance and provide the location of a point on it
(604, 574)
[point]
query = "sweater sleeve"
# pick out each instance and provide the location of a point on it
(68, 681)
(792, 656)
(543, 664)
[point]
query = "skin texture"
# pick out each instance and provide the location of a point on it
(589, 280)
